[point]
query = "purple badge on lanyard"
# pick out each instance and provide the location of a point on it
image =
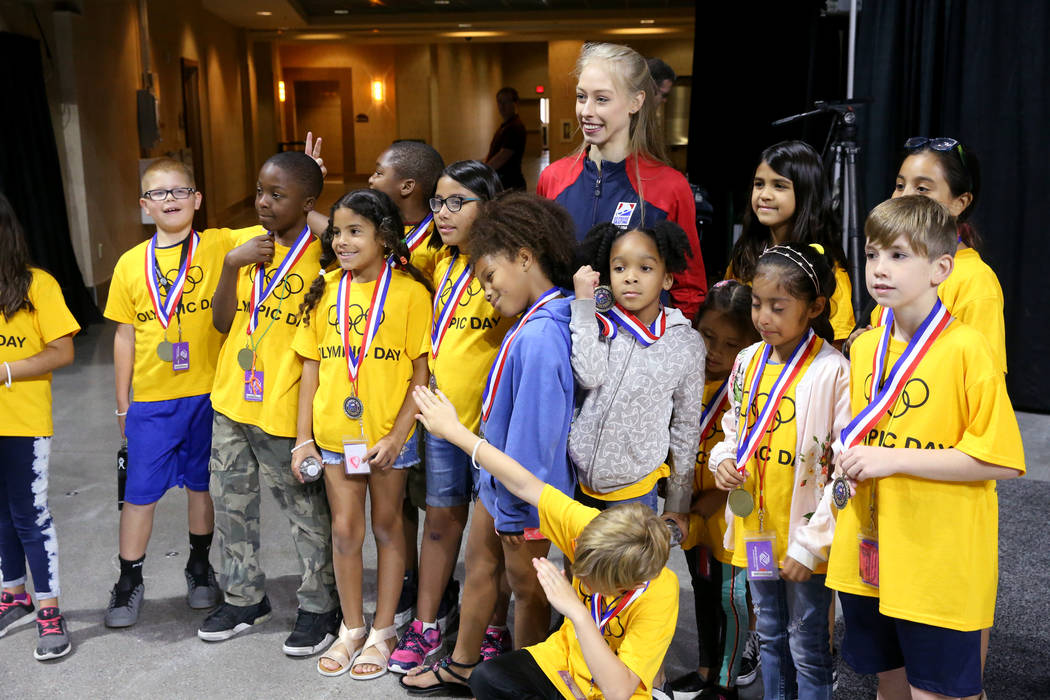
(253, 385)
(180, 356)
(761, 562)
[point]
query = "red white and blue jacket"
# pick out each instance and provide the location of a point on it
(615, 194)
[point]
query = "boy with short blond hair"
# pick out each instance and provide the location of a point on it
(165, 350)
(914, 555)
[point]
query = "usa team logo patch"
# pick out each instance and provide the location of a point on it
(624, 212)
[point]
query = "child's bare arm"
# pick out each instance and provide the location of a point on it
(123, 366)
(867, 462)
(259, 249)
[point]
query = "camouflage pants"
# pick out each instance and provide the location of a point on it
(239, 454)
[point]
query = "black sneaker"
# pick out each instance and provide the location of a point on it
(406, 604)
(751, 662)
(124, 605)
(230, 620)
(688, 686)
(53, 636)
(663, 692)
(14, 613)
(448, 609)
(312, 632)
(202, 590)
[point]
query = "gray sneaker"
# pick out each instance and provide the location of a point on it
(124, 606)
(53, 635)
(13, 613)
(202, 590)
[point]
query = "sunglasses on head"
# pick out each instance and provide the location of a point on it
(940, 143)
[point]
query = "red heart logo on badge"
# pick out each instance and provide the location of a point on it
(355, 462)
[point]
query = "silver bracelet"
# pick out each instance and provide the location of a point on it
(474, 453)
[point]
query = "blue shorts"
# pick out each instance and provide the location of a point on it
(936, 659)
(408, 457)
(450, 477)
(169, 444)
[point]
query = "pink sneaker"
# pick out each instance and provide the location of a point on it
(414, 648)
(496, 643)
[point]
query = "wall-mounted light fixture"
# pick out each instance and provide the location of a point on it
(280, 90)
(377, 90)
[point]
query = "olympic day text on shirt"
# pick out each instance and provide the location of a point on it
(14, 341)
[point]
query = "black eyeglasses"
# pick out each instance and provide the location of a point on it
(940, 143)
(176, 192)
(454, 203)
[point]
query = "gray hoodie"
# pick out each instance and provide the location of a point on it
(639, 404)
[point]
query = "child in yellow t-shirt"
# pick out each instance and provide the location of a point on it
(465, 336)
(256, 398)
(719, 588)
(364, 341)
(620, 609)
(788, 397)
(915, 549)
(36, 337)
(164, 351)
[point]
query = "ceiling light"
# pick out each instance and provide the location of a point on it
(465, 26)
(471, 35)
(647, 21)
(319, 36)
(441, 2)
(341, 12)
(641, 30)
(264, 13)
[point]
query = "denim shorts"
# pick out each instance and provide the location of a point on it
(408, 457)
(450, 477)
(936, 659)
(651, 499)
(169, 444)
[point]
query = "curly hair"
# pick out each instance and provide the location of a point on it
(384, 215)
(806, 274)
(516, 220)
(671, 241)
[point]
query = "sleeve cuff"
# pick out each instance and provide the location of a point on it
(803, 556)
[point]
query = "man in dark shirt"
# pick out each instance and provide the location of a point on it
(508, 143)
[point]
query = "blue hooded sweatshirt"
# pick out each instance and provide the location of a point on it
(530, 414)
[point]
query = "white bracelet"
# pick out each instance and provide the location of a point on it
(8, 375)
(301, 444)
(474, 453)
(118, 413)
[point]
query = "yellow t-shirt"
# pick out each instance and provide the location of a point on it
(973, 295)
(386, 371)
(776, 454)
(639, 635)
(129, 302)
(841, 302)
(470, 344)
(713, 528)
(25, 408)
(424, 258)
(938, 540)
(280, 366)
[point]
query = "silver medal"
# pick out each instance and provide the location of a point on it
(603, 298)
(353, 408)
(165, 350)
(245, 358)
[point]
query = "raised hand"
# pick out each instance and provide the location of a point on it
(313, 149)
(584, 282)
(259, 249)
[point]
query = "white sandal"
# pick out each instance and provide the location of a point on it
(344, 650)
(376, 652)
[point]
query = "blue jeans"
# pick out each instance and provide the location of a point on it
(26, 529)
(792, 631)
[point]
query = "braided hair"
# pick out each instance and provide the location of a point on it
(378, 208)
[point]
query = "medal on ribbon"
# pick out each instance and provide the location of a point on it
(166, 309)
(602, 615)
(741, 502)
(353, 407)
(443, 313)
(714, 407)
(419, 234)
(261, 290)
(621, 317)
(603, 298)
(884, 395)
(496, 371)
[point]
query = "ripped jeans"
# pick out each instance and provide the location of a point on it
(792, 631)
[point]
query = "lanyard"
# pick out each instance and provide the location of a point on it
(646, 335)
(173, 291)
(261, 290)
(443, 314)
(496, 371)
(602, 614)
(713, 408)
(372, 320)
(417, 235)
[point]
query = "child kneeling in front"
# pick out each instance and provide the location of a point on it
(621, 608)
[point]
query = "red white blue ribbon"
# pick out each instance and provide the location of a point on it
(443, 314)
(261, 290)
(750, 439)
(646, 335)
(496, 371)
(883, 398)
(603, 615)
(372, 319)
(416, 236)
(714, 407)
(166, 309)
(880, 319)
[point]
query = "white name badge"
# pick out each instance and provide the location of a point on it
(354, 451)
(622, 215)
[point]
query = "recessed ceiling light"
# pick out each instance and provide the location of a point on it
(647, 21)
(465, 26)
(641, 30)
(441, 2)
(472, 34)
(264, 13)
(342, 12)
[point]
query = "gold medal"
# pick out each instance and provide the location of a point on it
(741, 502)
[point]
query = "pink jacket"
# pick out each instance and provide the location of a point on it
(822, 410)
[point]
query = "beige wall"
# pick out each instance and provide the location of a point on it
(561, 61)
(677, 53)
(470, 75)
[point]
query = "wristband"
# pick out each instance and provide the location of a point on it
(8, 382)
(474, 453)
(301, 444)
(118, 412)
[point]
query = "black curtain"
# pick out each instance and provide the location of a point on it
(29, 170)
(977, 71)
